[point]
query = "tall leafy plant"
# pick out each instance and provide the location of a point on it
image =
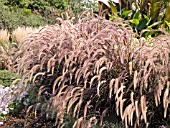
(143, 14)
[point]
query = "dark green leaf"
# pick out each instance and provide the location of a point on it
(125, 13)
(154, 24)
(142, 24)
(137, 15)
(135, 21)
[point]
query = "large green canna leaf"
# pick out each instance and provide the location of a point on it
(155, 10)
(142, 24)
(168, 24)
(113, 8)
(107, 5)
(167, 12)
(137, 15)
(143, 4)
(102, 6)
(135, 21)
(154, 24)
(125, 13)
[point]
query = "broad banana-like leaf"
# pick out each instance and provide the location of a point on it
(103, 5)
(155, 9)
(126, 3)
(143, 4)
(167, 12)
(142, 24)
(168, 24)
(126, 13)
(104, 2)
(113, 8)
(134, 21)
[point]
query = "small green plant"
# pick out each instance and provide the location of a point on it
(7, 77)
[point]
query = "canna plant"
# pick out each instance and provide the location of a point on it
(143, 14)
(93, 69)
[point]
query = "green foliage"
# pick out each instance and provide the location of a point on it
(69, 121)
(7, 77)
(27, 11)
(146, 14)
(11, 18)
(47, 7)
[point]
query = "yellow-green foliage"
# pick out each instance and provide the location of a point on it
(92, 68)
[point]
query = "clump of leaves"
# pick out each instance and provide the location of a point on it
(145, 14)
(92, 69)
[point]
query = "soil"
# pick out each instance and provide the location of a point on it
(31, 121)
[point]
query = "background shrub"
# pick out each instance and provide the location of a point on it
(12, 17)
(40, 12)
(146, 14)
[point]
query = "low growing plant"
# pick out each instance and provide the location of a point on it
(7, 77)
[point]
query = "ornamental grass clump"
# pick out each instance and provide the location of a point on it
(4, 43)
(22, 32)
(92, 69)
(4, 48)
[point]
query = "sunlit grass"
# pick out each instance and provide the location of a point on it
(4, 40)
(21, 32)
